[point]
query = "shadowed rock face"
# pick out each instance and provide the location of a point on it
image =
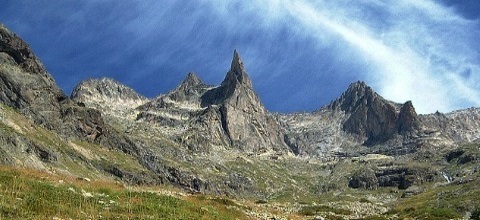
(188, 93)
(190, 89)
(408, 120)
(27, 86)
(24, 82)
(372, 117)
(243, 117)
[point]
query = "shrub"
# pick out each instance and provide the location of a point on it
(475, 214)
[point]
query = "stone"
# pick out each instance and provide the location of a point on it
(364, 179)
(408, 120)
(244, 119)
(370, 116)
(412, 191)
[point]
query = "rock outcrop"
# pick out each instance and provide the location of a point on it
(24, 81)
(373, 118)
(202, 117)
(106, 92)
(243, 117)
(186, 96)
(26, 85)
(408, 120)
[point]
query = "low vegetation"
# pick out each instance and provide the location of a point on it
(31, 194)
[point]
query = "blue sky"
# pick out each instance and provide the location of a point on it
(300, 54)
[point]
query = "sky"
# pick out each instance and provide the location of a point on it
(299, 54)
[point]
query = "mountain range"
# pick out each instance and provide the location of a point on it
(221, 140)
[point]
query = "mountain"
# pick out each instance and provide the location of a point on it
(244, 119)
(363, 155)
(373, 118)
(43, 123)
(106, 92)
(230, 115)
(25, 84)
(358, 118)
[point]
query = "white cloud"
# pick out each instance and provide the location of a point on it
(416, 50)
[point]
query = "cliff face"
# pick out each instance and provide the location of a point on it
(372, 117)
(24, 82)
(27, 86)
(244, 119)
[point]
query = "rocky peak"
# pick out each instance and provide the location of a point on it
(190, 89)
(408, 120)
(237, 74)
(24, 82)
(369, 116)
(27, 86)
(236, 89)
(192, 80)
(99, 93)
(19, 50)
(186, 95)
(358, 94)
(243, 117)
(107, 87)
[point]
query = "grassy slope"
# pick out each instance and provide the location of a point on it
(73, 157)
(32, 194)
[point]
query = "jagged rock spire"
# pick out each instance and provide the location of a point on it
(237, 74)
(236, 84)
(237, 62)
(243, 117)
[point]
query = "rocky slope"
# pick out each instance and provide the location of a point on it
(107, 94)
(28, 87)
(199, 116)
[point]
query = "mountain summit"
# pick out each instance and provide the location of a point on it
(236, 84)
(106, 93)
(244, 118)
(372, 117)
(237, 73)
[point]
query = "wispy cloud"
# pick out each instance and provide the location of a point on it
(412, 50)
(301, 54)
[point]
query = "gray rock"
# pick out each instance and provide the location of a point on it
(106, 94)
(369, 115)
(364, 179)
(412, 191)
(244, 119)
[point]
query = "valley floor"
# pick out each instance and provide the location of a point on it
(33, 194)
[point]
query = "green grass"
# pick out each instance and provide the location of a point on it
(30, 194)
(445, 202)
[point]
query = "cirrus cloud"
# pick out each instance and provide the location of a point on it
(300, 54)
